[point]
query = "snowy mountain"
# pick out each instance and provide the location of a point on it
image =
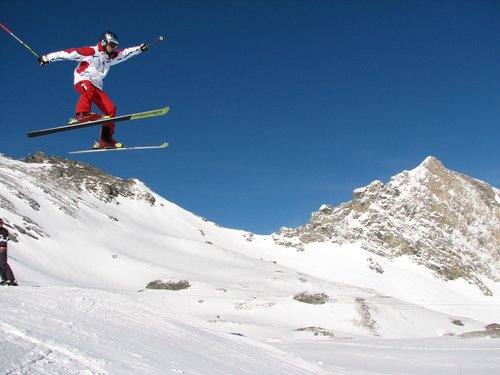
(407, 271)
(448, 222)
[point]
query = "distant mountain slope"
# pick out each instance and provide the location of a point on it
(442, 219)
(75, 225)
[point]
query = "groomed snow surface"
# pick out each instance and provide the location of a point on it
(72, 330)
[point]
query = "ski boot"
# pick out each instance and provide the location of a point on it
(106, 139)
(9, 283)
(107, 143)
(84, 117)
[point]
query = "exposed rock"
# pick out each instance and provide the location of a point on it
(63, 181)
(491, 330)
(169, 285)
(311, 298)
(77, 176)
(316, 331)
(365, 320)
(442, 219)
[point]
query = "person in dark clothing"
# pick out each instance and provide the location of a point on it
(5, 270)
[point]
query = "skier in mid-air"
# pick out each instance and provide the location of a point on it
(93, 66)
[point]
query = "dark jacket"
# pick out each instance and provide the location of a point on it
(4, 237)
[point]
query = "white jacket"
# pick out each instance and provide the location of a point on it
(94, 61)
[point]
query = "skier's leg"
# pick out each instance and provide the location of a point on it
(104, 103)
(5, 270)
(84, 105)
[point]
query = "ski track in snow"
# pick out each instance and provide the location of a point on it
(98, 332)
(71, 330)
(39, 357)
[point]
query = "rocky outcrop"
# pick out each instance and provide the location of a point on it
(442, 219)
(67, 184)
(76, 176)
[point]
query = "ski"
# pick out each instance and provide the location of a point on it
(163, 145)
(104, 120)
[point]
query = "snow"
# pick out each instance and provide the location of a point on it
(98, 331)
(82, 307)
(101, 331)
(54, 329)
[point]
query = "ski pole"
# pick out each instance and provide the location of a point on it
(160, 38)
(19, 40)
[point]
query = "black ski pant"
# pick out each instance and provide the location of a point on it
(5, 270)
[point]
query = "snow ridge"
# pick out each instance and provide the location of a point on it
(448, 222)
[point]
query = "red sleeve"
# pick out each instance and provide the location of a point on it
(84, 51)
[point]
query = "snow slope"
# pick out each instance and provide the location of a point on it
(72, 330)
(83, 264)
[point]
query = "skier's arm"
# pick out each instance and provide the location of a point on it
(127, 53)
(75, 54)
(4, 237)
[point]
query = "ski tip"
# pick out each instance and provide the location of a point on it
(155, 112)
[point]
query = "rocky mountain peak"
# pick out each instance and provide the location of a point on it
(76, 176)
(432, 164)
(68, 184)
(440, 218)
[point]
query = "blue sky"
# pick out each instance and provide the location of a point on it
(277, 107)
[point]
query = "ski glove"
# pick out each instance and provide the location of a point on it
(144, 47)
(43, 60)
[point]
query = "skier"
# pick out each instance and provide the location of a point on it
(93, 66)
(5, 270)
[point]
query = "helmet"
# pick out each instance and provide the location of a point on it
(108, 37)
